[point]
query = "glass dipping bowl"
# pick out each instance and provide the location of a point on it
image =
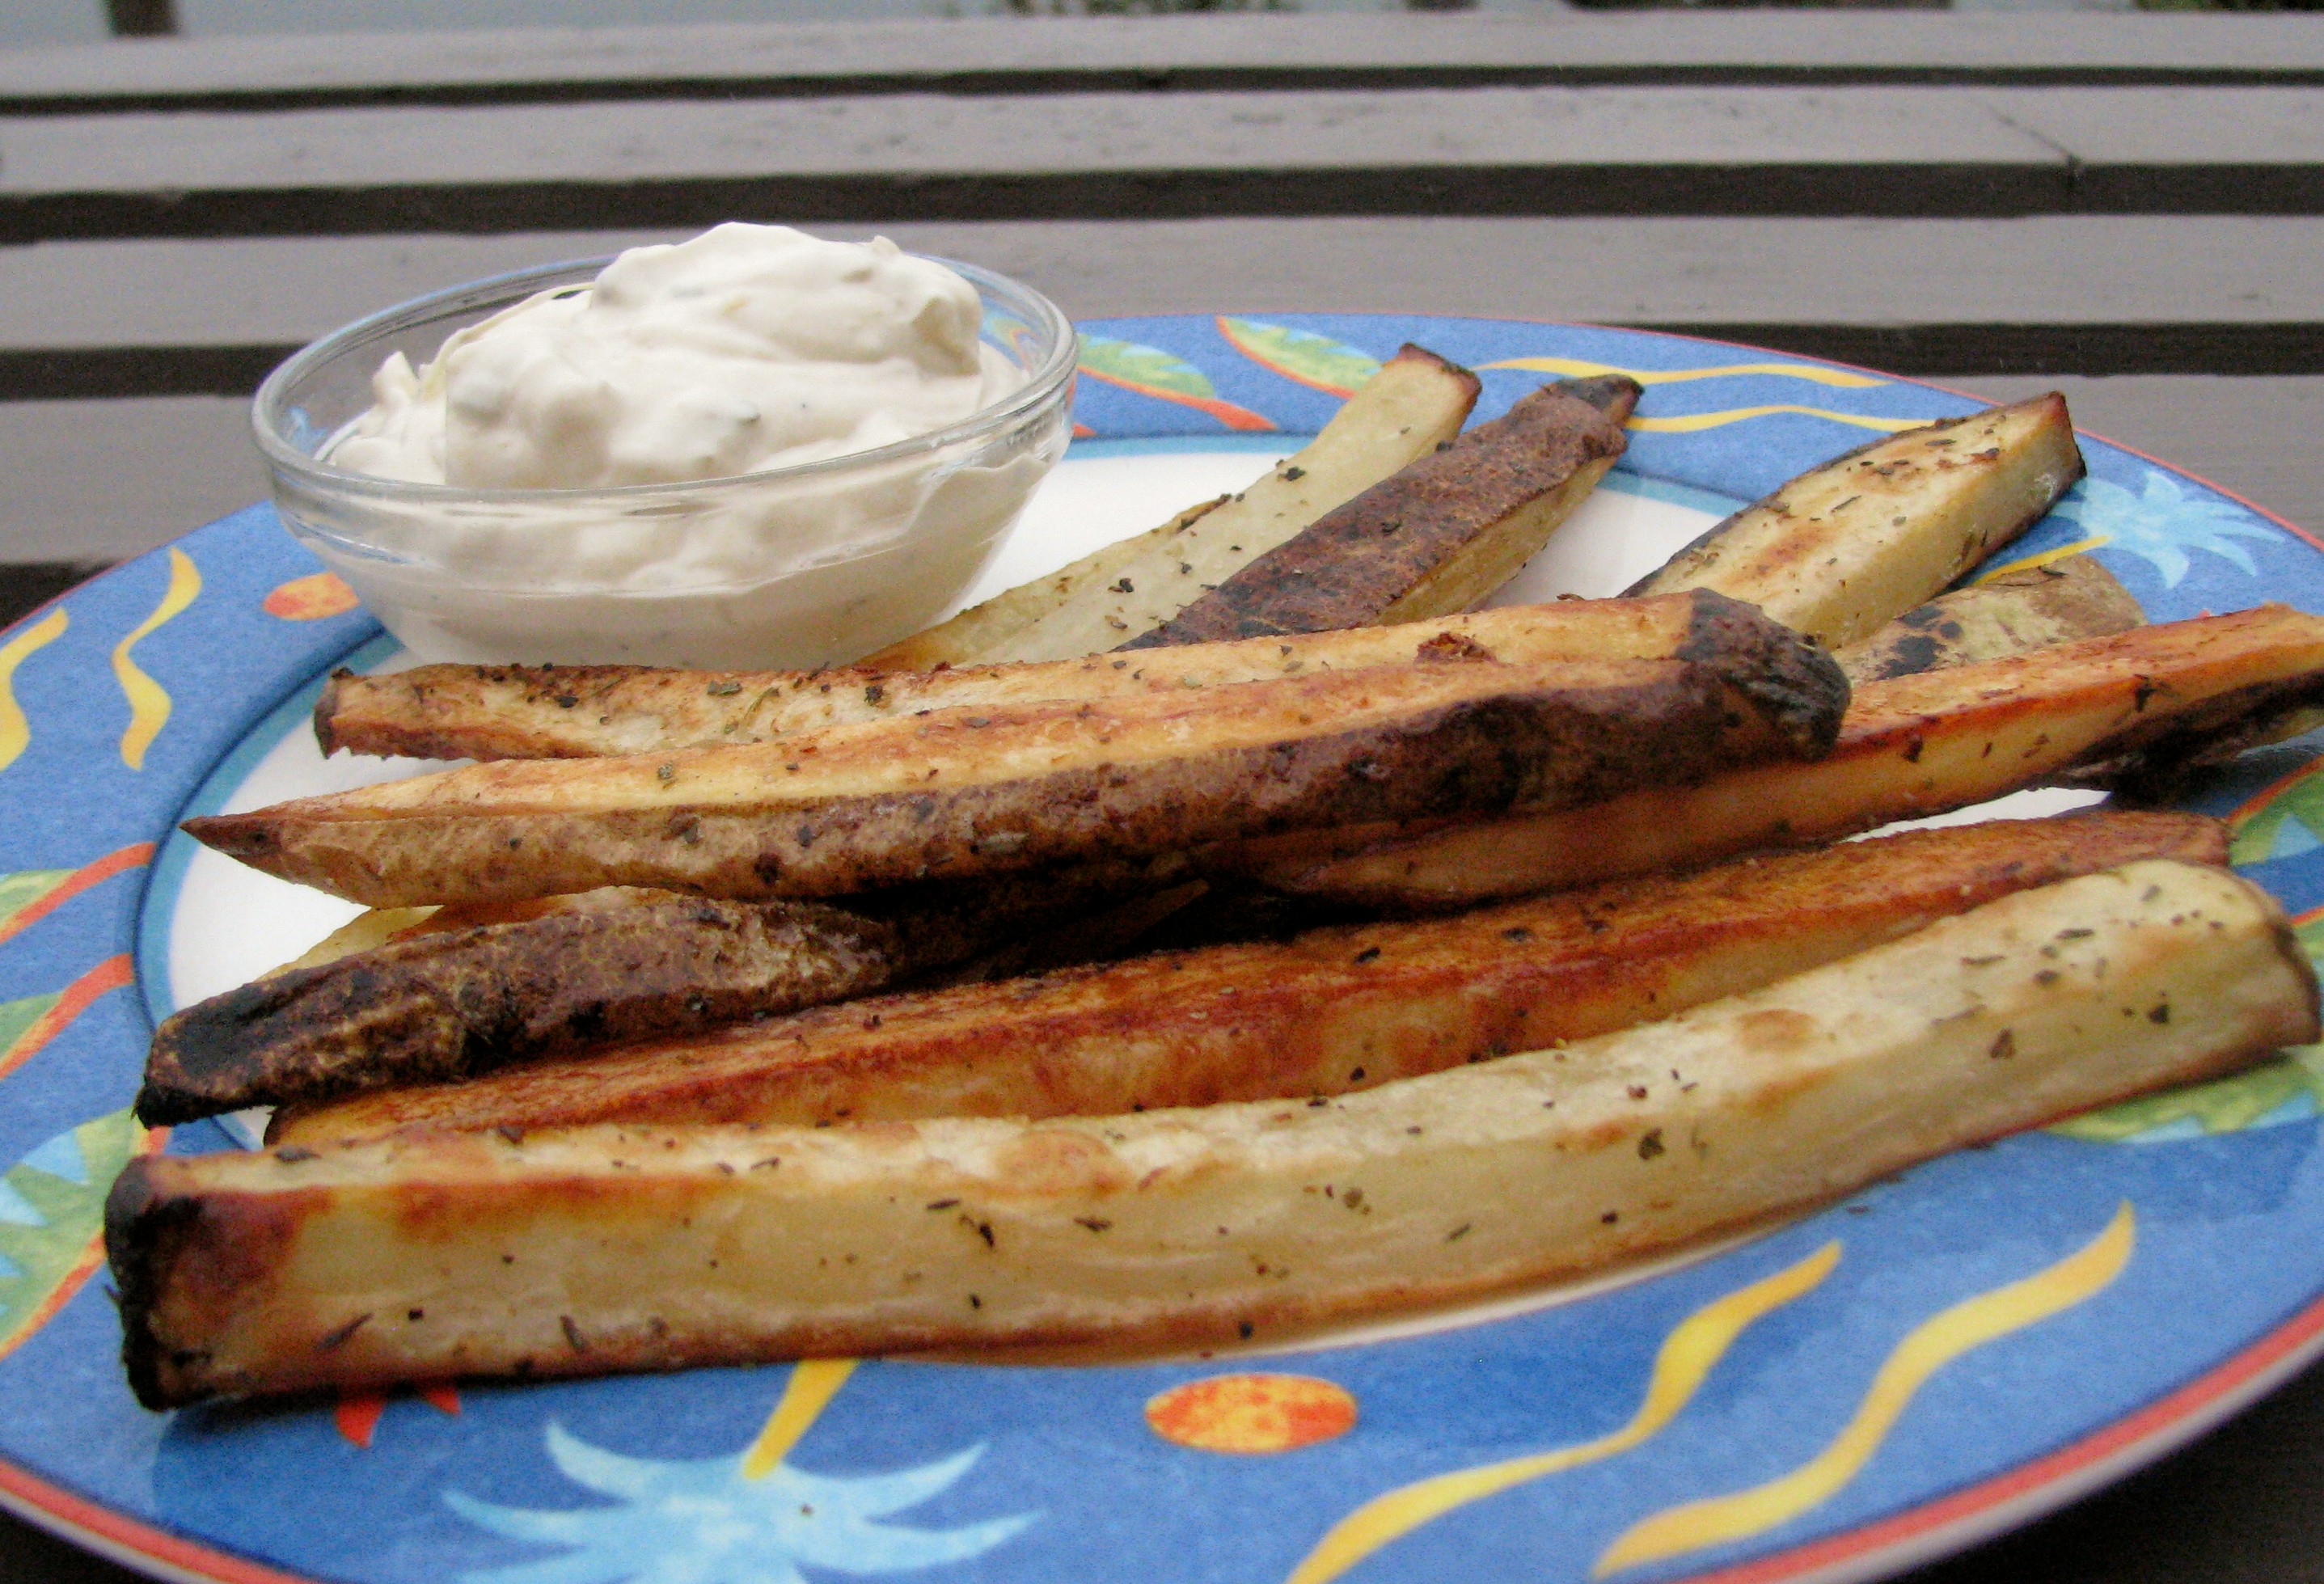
(794, 566)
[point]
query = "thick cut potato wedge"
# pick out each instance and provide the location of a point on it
(448, 1002)
(430, 1254)
(1334, 1010)
(1416, 402)
(582, 712)
(1435, 538)
(1912, 746)
(2058, 601)
(956, 794)
(1841, 551)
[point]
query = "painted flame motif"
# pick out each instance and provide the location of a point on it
(1574, 368)
(32, 1022)
(1686, 1358)
(15, 732)
(31, 894)
(149, 702)
(1926, 1349)
(311, 598)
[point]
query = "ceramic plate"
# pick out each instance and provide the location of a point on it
(1855, 1392)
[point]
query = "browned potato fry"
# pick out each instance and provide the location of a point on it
(2058, 601)
(581, 712)
(1912, 746)
(448, 1002)
(960, 793)
(1416, 401)
(1841, 551)
(430, 1254)
(1437, 537)
(1333, 1010)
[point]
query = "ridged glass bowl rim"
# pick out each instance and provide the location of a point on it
(1058, 353)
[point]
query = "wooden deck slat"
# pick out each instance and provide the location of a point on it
(1025, 56)
(2085, 294)
(1850, 150)
(1505, 150)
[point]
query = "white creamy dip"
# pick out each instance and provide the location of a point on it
(701, 370)
(748, 348)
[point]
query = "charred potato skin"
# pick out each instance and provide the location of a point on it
(1338, 1008)
(1354, 565)
(2060, 602)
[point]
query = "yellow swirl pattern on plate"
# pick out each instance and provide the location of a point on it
(1926, 1349)
(15, 732)
(1686, 1358)
(149, 701)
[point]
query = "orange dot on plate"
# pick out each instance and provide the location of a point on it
(1252, 1412)
(311, 598)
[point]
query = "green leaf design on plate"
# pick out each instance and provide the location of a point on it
(2289, 824)
(1301, 354)
(17, 1015)
(2226, 1105)
(20, 890)
(1148, 367)
(52, 1212)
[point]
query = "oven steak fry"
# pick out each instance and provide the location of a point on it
(1844, 549)
(432, 1255)
(1437, 537)
(446, 1003)
(1416, 402)
(1911, 746)
(582, 712)
(960, 793)
(1335, 1009)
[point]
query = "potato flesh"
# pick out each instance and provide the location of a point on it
(1840, 552)
(1416, 401)
(427, 1254)
(2061, 601)
(1911, 746)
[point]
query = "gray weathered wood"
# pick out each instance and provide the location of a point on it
(1923, 152)
(2077, 293)
(1195, 52)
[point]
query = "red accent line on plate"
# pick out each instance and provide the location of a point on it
(108, 975)
(80, 1519)
(134, 856)
(2120, 1436)
(441, 1395)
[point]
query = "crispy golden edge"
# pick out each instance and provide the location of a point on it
(1911, 746)
(1495, 494)
(432, 1255)
(1331, 1010)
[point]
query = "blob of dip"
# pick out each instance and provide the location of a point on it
(756, 448)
